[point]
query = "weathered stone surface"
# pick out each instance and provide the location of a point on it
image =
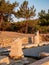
(24, 40)
(19, 62)
(4, 59)
(44, 61)
(16, 49)
(43, 54)
(37, 38)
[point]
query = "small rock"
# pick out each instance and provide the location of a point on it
(4, 59)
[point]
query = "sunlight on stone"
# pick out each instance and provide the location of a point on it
(16, 49)
(46, 63)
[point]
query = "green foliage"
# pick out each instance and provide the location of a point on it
(44, 18)
(21, 26)
(5, 25)
(6, 10)
(25, 12)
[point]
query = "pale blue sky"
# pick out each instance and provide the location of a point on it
(38, 4)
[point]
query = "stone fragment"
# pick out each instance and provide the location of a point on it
(16, 49)
(4, 59)
(36, 39)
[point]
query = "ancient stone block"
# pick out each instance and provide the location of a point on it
(16, 49)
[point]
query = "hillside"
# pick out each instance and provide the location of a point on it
(7, 37)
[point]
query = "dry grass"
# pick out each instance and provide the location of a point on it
(8, 37)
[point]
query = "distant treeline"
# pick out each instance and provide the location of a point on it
(33, 25)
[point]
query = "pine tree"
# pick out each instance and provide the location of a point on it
(26, 12)
(6, 10)
(43, 18)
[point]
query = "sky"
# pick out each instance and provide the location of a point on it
(38, 4)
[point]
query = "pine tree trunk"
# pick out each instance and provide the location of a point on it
(26, 31)
(1, 20)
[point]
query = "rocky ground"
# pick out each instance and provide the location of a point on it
(24, 61)
(9, 37)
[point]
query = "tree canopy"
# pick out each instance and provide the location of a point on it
(43, 18)
(25, 11)
(6, 10)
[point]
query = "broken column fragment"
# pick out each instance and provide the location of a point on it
(36, 38)
(16, 49)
